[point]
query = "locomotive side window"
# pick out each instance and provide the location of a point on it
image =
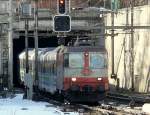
(97, 60)
(76, 60)
(66, 60)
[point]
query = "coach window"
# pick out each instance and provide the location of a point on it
(21, 65)
(54, 67)
(29, 64)
(24, 63)
(44, 65)
(47, 69)
(50, 67)
(40, 64)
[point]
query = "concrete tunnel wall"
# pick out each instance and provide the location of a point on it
(122, 44)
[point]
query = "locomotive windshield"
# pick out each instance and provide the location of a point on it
(97, 60)
(74, 60)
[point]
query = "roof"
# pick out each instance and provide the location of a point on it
(86, 48)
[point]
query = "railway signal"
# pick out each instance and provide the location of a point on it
(115, 5)
(61, 6)
(62, 23)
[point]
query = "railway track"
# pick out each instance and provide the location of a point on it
(112, 105)
(132, 100)
(101, 109)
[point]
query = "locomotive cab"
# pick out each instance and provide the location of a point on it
(85, 72)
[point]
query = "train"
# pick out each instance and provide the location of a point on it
(76, 73)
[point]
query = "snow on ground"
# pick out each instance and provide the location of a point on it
(20, 106)
(146, 108)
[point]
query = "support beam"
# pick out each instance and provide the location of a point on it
(36, 45)
(132, 45)
(26, 45)
(10, 46)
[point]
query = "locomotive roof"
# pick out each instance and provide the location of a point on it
(86, 48)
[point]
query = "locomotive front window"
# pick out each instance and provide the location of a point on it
(97, 60)
(76, 60)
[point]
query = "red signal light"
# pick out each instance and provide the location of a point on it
(61, 7)
(61, 1)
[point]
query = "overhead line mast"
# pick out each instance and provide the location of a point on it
(132, 45)
(36, 45)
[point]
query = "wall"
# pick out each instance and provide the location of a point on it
(126, 3)
(123, 49)
(52, 4)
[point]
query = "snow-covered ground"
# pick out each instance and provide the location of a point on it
(19, 106)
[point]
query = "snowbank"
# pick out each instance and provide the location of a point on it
(146, 108)
(20, 106)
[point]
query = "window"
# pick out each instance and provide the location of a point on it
(21, 64)
(44, 66)
(48, 66)
(76, 60)
(97, 60)
(66, 60)
(55, 68)
(24, 63)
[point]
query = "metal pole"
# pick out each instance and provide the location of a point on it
(112, 41)
(104, 3)
(26, 45)
(113, 75)
(132, 44)
(36, 44)
(10, 45)
(69, 6)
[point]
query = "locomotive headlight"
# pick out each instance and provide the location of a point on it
(86, 54)
(99, 79)
(74, 79)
